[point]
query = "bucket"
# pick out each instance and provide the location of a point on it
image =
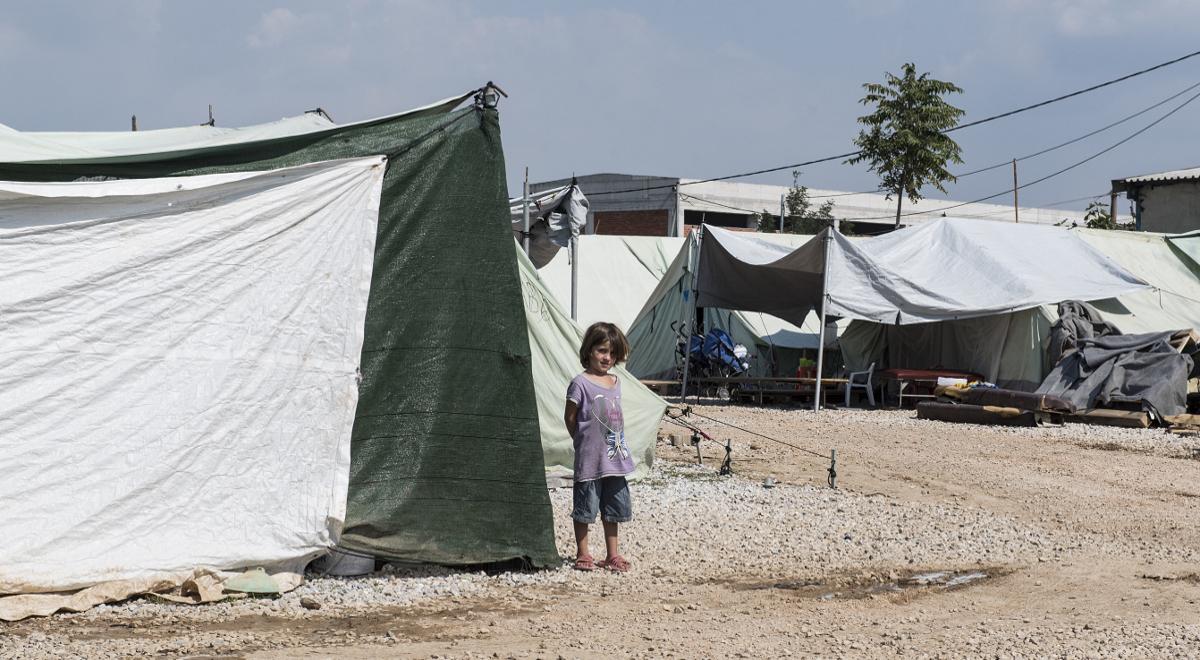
(344, 563)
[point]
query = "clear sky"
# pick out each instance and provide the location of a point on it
(692, 89)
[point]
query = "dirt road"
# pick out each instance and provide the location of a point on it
(942, 540)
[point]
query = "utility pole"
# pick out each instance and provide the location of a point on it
(133, 122)
(1016, 212)
(781, 211)
(1112, 206)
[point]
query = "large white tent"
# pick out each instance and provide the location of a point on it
(940, 294)
(179, 369)
(945, 270)
(1009, 349)
(636, 283)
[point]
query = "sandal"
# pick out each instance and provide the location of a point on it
(616, 564)
(585, 563)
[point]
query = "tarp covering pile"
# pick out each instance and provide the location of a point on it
(446, 455)
(179, 368)
(555, 217)
(556, 361)
(1143, 369)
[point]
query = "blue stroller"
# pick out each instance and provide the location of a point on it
(713, 355)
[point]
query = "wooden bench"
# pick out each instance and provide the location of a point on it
(759, 390)
(662, 387)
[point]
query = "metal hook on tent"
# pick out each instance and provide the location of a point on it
(319, 111)
(489, 95)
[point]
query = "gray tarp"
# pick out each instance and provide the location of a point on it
(1077, 320)
(555, 217)
(1141, 369)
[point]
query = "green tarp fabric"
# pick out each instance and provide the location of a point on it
(446, 455)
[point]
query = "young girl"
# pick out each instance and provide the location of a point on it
(602, 457)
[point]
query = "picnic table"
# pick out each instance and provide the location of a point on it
(917, 383)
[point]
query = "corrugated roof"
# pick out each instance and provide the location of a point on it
(1173, 175)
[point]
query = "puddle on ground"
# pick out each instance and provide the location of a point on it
(926, 581)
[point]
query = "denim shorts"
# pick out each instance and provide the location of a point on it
(608, 496)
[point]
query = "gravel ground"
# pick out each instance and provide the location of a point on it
(1063, 529)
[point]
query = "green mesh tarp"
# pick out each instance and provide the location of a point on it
(446, 457)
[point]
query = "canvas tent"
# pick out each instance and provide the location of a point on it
(179, 370)
(636, 283)
(1009, 349)
(556, 339)
(953, 271)
(1187, 246)
(1172, 302)
(446, 457)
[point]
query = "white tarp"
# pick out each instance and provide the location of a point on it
(1174, 301)
(944, 270)
(1008, 348)
(115, 146)
(616, 275)
(179, 366)
(658, 296)
(554, 341)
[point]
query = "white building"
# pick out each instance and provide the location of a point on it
(1167, 202)
(637, 205)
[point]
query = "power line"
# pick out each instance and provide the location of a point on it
(1074, 94)
(1084, 136)
(1052, 174)
(1036, 153)
(960, 126)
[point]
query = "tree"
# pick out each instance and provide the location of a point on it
(905, 141)
(800, 218)
(1097, 217)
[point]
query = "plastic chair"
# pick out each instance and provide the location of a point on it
(864, 383)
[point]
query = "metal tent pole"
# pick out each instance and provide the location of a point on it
(574, 247)
(525, 213)
(824, 304)
(688, 329)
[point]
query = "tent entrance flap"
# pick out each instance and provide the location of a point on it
(751, 274)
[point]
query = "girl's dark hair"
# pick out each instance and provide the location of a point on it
(599, 333)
